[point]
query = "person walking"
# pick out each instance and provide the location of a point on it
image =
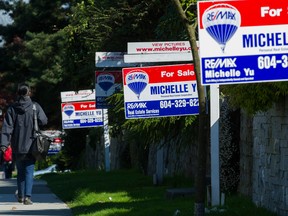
(18, 129)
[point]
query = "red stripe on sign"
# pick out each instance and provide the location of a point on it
(163, 74)
(253, 13)
(88, 105)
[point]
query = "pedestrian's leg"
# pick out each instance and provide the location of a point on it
(10, 169)
(5, 166)
(30, 164)
(20, 178)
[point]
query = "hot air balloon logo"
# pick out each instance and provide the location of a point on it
(137, 81)
(68, 109)
(221, 21)
(106, 81)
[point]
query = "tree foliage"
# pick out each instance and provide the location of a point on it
(34, 49)
(255, 97)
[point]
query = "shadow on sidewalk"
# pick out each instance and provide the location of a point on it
(44, 201)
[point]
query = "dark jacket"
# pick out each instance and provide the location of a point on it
(18, 125)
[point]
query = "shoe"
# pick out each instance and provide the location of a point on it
(27, 201)
(19, 199)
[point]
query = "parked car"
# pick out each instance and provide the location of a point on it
(58, 140)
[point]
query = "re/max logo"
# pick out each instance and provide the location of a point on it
(138, 76)
(136, 105)
(228, 15)
(107, 77)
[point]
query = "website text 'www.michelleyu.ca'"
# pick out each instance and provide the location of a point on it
(160, 47)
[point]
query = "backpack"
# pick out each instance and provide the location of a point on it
(7, 155)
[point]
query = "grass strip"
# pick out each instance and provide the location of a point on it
(128, 192)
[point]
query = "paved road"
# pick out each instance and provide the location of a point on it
(44, 201)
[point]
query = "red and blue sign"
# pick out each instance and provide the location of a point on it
(81, 115)
(243, 46)
(159, 91)
(107, 83)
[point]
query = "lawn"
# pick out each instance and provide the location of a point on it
(129, 192)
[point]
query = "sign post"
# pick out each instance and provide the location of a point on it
(106, 140)
(106, 83)
(158, 52)
(214, 128)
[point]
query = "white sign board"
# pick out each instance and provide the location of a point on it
(82, 95)
(154, 57)
(111, 59)
(159, 47)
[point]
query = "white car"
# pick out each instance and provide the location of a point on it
(50, 169)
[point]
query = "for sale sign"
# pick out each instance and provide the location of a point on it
(81, 115)
(243, 41)
(158, 91)
(106, 84)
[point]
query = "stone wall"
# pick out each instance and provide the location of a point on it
(269, 178)
(178, 158)
(246, 154)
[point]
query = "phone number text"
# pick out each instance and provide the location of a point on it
(267, 62)
(179, 103)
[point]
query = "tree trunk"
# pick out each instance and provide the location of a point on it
(200, 176)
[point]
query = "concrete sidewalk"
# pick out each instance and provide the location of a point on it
(44, 201)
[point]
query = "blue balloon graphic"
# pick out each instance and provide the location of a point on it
(105, 81)
(221, 21)
(137, 81)
(68, 109)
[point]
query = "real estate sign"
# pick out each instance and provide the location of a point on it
(243, 41)
(106, 84)
(158, 91)
(79, 110)
(81, 114)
